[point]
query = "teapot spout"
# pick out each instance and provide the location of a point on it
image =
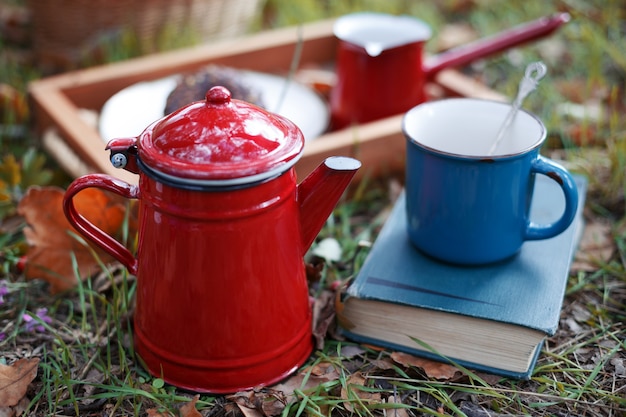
(319, 193)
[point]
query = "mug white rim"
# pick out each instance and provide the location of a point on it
(541, 137)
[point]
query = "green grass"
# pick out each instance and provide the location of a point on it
(88, 364)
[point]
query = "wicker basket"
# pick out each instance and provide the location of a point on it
(65, 32)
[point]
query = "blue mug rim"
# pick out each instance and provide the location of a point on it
(435, 151)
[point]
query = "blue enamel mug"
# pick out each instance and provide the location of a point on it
(464, 203)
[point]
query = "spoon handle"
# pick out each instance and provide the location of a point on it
(533, 74)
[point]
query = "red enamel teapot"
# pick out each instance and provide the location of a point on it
(222, 299)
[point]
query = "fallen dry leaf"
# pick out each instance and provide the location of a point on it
(14, 380)
(384, 364)
(51, 244)
(153, 412)
(432, 369)
(16, 410)
(258, 403)
(397, 412)
(324, 370)
(352, 351)
(189, 409)
(309, 378)
(250, 412)
(323, 317)
(353, 389)
(271, 401)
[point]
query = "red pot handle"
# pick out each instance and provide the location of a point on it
(88, 229)
(481, 48)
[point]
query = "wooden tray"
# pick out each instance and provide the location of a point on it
(77, 146)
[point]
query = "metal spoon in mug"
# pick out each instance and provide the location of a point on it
(534, 72)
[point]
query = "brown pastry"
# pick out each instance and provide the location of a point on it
(193, 87)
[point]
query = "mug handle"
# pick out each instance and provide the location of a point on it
(557, 173)
(88, 229)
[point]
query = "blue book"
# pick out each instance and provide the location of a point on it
(491, 318)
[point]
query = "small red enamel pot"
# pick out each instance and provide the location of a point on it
(222, 297)
(381, 68)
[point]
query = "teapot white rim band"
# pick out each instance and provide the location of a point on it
(228, 182)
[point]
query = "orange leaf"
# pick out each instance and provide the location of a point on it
(433, 369)
(14, 380)
(10, 171)
(323, 370)
(51, 244)
(13, 102)
(153, 412)
(189, 409)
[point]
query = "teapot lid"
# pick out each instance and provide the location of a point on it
(220, 141)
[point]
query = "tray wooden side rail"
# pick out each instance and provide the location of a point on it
(79, 148)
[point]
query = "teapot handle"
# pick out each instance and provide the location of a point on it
(88, 229)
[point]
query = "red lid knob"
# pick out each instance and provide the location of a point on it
(217, 95)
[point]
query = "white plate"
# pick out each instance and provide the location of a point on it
(128, 112)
